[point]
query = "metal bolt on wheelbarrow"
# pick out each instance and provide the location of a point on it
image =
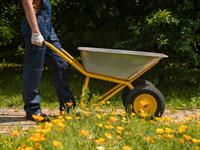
(122, 67)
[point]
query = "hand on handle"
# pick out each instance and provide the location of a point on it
(37, 39)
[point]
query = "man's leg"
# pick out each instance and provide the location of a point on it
(59, 65)
(32, 72)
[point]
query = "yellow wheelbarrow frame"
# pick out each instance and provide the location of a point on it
(121, 83)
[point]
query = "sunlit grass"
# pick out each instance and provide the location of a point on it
(103, 129)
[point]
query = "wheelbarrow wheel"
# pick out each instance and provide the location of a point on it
(146, 101)
(137, 83)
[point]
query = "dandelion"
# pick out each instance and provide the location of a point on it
(68, 118)
(126, 147)
(108, 102)
(84, 132)
(181, 140)
(152, 122)
(37, 137)
(98, 116)
(119, 137)
(143, 114)
(123, 113)
(38, 146)
(120, 128)
(113, 119)
(182, 128)
(196, 141)
(169, 131)
(113, 113)
(108, 135)
(197, 148)
(187, 137)
(157, 119)
(99, 125)
(57, 144)
(159, 131)
(15, 133)
(168, 136)
(108, 126)
(149, 139)
(24, 147)
(100, 140)
(133, 114)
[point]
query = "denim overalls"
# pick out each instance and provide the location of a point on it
(36, 57)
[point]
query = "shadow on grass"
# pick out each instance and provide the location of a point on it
(180, 85)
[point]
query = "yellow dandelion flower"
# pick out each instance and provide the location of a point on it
(57, 144)
(108, 126)
(87, 113)
(182, 128)
(37, 137)
(126, 147)
(29, 148)
(119, 137)
(24, 147)
(168, 136)
(68, 118)
(169, 131)
(149, 139)
(38, 146)
(181, 140)
(187, 137)
(123, 113)
(113, 119)
(84, 132)
(197, 148)
(113, 113)
(133, 114)
(159, 131)
(152, 122)
(98, 116)
(108, 102)
(196, 141)
(120, 128)
(99, 125)
(15, 133)
(103, 102)
(108, 135)
(100, 140)
(157, 118)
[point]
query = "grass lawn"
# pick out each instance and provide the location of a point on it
(97, 129)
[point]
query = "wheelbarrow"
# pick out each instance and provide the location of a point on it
(122, 67)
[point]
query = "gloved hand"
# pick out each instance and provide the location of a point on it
(37, 39)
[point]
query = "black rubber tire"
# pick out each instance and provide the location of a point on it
(137, 83)
(153, 91)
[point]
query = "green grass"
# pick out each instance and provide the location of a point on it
(96, 129)
(72, 132)
(179, 93)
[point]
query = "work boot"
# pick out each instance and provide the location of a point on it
(67, 106)
(39, 117)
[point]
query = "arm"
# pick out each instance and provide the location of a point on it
(36, 38)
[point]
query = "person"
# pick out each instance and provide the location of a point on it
(37, 28)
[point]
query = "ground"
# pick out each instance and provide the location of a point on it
(11, 119)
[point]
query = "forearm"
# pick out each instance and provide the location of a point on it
(30, 15)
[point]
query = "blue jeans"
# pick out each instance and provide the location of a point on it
(35, 58)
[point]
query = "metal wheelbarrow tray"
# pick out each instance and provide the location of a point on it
(122, 67)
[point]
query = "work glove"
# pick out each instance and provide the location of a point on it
(37, 39)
